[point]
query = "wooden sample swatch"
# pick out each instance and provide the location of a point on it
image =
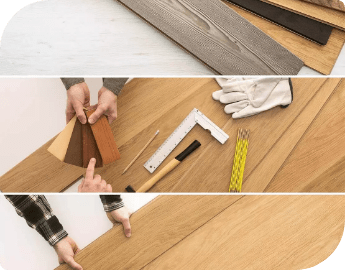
(105, 139)
(333, 4)
(74, 154)
(59, 147)
(320, 58)
(304, 26)
(90, 149)
(222, 232)
(332, 17)
(217, 36)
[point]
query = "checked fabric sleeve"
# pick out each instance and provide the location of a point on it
(38, 214)
(111, 202)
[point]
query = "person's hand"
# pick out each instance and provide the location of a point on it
(107, 104)
(121, 215)
(78, 96)
(93, 183)
(66, 249)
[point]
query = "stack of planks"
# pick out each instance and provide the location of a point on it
(222, 232)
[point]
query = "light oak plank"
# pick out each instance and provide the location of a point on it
(321, 148)
(155, 228)
(262, 232)
(330, 16)
(217, 36)
(320, 58)
(333, 4)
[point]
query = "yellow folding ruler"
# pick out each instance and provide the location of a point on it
(239, 160)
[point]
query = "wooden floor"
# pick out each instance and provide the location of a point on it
(223, 232)
(298, 149)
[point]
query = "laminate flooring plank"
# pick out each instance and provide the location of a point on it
(332, 17)
(42, 172)
(155, 228)
(90, 149)
(217, 36)
(320, 149)
(320, 58)
(262, 232)
(212, 170)
(302, 25)
(333, 4)
(74, 154)
(264, 172)
(137, 175)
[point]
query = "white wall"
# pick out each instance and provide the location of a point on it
(82, 216)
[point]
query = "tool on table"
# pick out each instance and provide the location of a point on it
(168, 168)
(141, 151)
(239, 160)
(194, 117)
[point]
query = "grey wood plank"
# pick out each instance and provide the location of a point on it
(217, 36)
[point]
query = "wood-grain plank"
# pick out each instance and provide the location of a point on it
(332, 17)
(262, 232)
(333, 4)
(212, 170)
(74, 154)
(320, 58)
(90, 149)
(260, 177)
(155, 228)
(217, 36)
(321, 148)
(42, 172)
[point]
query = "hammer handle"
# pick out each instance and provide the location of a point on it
(168, 168)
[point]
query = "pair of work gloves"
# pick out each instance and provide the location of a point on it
(249, 96)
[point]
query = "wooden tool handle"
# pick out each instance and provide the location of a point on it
(168, 168)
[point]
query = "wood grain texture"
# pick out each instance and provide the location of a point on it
(302, 25)
(320, 58)
(74, 154)
(223, 232)
(105, 139)
(262, 232)
(333, 4)
(90, 149)
(160, 224)
(332, 17)
(202, 27)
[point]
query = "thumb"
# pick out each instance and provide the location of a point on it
(78, 107)
(97, 114)
(71, 262)
(127, 228)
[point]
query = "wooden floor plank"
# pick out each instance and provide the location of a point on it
(321, 148)
(320, 58)
(332, 17)
(212, 171)
(155, 228)
(262, 232)
(333, 4)
(260, 177)
(217, 36)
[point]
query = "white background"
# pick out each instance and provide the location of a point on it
(81, 215)
(90, 37)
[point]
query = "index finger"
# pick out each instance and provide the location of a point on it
(90, 169)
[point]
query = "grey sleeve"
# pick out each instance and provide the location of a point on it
(69, 82)
(115, 85)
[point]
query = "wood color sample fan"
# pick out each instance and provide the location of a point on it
(78, 143)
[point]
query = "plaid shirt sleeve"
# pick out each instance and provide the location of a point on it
(111, 202)
(38, 214)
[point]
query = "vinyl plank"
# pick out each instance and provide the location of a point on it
(333, 4)
(212, 171)
(262, 232)
(155, 228)
(319, 58)
(304, 26)
(90, 149)
(260, 177)
(236, 46)
(320, 149)
(332, 17)
(74, 154)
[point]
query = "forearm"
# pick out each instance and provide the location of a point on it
(38, 214)
(111, 202)
(69, 82)
(115, 85)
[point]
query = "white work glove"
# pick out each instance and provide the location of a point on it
(250, 96)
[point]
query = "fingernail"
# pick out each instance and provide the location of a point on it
(91, 121)
(128, 235)
(93, 159)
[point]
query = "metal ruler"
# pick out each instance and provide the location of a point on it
(193, 118)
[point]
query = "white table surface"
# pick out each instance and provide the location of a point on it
(87, 37)
(81, 215)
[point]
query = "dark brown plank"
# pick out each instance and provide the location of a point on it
(74, 154)
(90, 149)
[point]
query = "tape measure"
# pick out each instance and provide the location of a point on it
(193, 118)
